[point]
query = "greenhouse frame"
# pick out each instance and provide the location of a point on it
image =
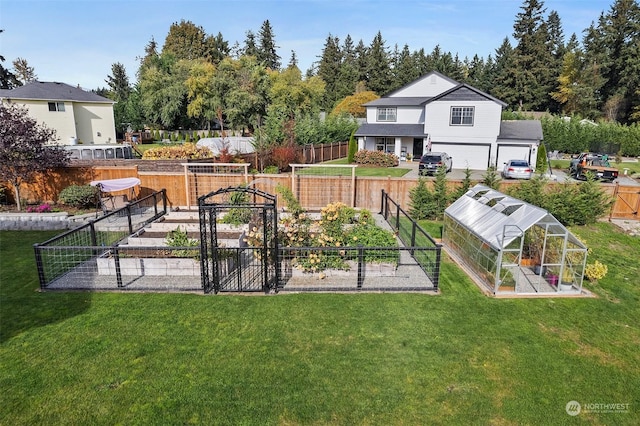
(513, 247)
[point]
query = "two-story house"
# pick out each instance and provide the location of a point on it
(437, 114)
(75, 114)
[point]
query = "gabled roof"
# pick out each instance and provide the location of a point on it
(493, 216)
(52, 91)
(521, 129)
(465, 86)
(391, 130)
(408, 101)
(424, 77)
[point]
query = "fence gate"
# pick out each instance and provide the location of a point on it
(238, 241)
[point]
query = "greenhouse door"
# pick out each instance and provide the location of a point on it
(227, 262)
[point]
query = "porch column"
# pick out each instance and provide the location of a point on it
(398, 147)
(361, 143)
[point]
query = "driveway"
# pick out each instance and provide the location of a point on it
(478, 175)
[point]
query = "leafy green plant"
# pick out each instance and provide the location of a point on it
(238, 215)
(80, 196)
(271, 170)
(180, 238)
(293, 205)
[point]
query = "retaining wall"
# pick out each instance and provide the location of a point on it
(42, 221)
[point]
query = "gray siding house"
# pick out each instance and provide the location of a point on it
(437, 114)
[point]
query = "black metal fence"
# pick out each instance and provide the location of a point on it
(71, 251)
(423, 248)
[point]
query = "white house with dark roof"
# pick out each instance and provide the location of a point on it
(435, 113)
(75, 114)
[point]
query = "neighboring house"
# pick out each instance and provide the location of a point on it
(438, 114)
(75, 114)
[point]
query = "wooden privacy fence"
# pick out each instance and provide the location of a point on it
(184, 188)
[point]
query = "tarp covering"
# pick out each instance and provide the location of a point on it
(111, 185)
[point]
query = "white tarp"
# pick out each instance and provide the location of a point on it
(110, 185)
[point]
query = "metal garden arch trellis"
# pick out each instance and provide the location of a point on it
(240, 268)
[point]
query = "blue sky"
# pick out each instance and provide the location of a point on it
(77, 41)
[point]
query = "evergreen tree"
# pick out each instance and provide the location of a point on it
(378, 72)
(503, 75)
(533, 79)
(24, 73)
(405, 70)
(250, 46)
(8, 80)
(362, 62)
(557, 49)
(348, 74)
(329, 71)
(119, 91)
(216, 48)
(267, 47)
(614, 45)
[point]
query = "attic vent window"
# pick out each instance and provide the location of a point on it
(56, 106)
(511, 209)
(492, 202)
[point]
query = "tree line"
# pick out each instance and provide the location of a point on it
(196, 80)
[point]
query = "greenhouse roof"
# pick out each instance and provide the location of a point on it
(490, 214)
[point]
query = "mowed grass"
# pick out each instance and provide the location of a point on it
(361, 171)
(454, 358)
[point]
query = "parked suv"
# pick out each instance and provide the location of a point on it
(430, 162)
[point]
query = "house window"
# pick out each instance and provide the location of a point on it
(462, 116)
(386, 144)
(56, 106)
(386, 114)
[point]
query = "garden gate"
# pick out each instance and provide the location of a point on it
(229, 217)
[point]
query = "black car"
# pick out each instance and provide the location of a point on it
(430, 162)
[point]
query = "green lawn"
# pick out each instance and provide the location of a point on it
(457, 358)
(360, 170)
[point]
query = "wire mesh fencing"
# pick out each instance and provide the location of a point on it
(422, 247)
(355, 268)
(64, 253)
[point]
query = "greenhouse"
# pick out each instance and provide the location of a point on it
(512, 247)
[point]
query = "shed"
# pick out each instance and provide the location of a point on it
(512, 246)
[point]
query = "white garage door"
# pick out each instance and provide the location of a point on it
(512, 152)
(476, 157)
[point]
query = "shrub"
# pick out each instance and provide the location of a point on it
(596, 271)
(353, 148)
(42, 208)
(80, 196)
(282, 156)
(490, 178)
(375, 158)
(541, 159)
(185, 151)
(420, 201)
(271, 170)
(293, 205)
